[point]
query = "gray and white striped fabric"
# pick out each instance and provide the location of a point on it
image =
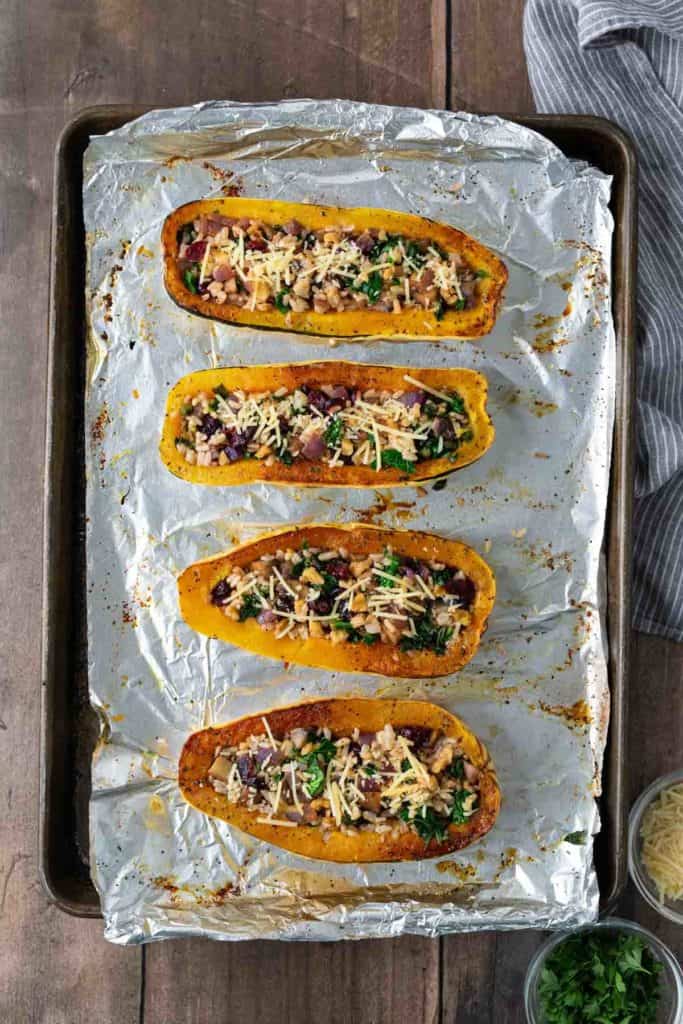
(623, 59)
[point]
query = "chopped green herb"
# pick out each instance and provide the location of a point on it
(482, 273)
(460, 304)
(334, 433)
(370, 638)
(576, 838)
(279, 300)
(439, 309)
(415, 254)
(458, 815)
(405, 765)
(251, 606)
(427, 823)
(185, 410)
(391, 567)
(191, 279)
(603, 977)
(392, 459)
(372, 287)
(456, 404)
(428, 636)
(456, 769)
(221, 390)
(213, 404)
(369, 769)
(285, 456)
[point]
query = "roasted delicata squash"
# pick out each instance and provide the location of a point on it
(350, 598)
(330, 423)
(328, 270)
(346, 780)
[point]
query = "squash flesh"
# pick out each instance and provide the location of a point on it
(341, 716)
(472, 387)
(197, 581)
(411, 323)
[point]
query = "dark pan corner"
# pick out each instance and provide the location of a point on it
(69, 728)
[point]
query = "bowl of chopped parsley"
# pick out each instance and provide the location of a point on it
(612, 972)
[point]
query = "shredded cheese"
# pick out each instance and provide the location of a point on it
(662, 836)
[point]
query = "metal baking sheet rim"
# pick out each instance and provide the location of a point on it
(618, 510)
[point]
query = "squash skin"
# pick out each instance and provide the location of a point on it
(412, 324)
(341, 716)
(196, 582)
(471, 385)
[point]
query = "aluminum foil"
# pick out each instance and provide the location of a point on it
(536, 692)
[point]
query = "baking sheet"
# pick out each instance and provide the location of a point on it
(534, 506)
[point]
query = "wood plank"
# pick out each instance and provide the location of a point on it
(655, 741)
(379, 981)
(54, 969)
(487, 65)
(128, 51)
(329, 49)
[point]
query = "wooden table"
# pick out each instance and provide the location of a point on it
(58, 57)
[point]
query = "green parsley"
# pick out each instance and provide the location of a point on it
(460, 304)
(456, 769)
(602, 977)
(222, 391)
(285, 456)
(482, 273)
(369, 769)
(439, 309)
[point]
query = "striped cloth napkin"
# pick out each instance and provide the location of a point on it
(623, 59)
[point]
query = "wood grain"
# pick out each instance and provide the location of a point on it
(487, 66)
(57, 58)
(49, 961)
(374, 982)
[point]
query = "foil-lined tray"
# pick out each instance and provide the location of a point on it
(534, 506)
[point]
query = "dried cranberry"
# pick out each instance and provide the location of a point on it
(258, 244)
(195, 251)
(461, 587)
(338, 568)
(418, 734)
(322, 605)
(210, 425)
(221, 592)
(368, 783)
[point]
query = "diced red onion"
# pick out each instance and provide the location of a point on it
(314, 447)
(292, 227)
(223, 272)
(266, 617)
(411, 398)
(471, 773)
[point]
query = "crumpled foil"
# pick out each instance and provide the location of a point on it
(534, 506)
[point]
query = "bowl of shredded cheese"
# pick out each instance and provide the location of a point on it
(655, 845)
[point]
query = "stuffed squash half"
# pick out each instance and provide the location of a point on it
(328, 270)
(348, 597)
(346, 780)
(330, 423)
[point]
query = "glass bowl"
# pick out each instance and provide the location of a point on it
(673, 909)
(671, 978)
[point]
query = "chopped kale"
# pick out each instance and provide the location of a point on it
(392, 459)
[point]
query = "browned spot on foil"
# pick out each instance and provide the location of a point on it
(128, 614)
(540, 408)
(383, 503)
(574, 714)
(461, 871)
